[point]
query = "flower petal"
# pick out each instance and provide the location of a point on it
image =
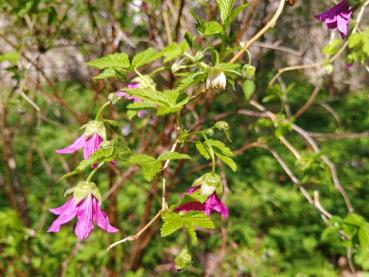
(101, 219)
(343, 25)
(67, 205)
(92, 144)
(76, 145)
(85, 218)
(190, 206)
(66, 213)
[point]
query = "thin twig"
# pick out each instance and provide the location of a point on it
(138, 234)
(316, 149)
(310, 101)
(269, 25)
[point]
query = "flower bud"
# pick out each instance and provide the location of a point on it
(216, 80)
(248, 71)
(97, 127)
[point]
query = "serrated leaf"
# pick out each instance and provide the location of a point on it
(224, 8)
(138, 106)
(202, 150)
(234, 12)
(116, 60)
(107, 73)
(149, 166)
(228, 161)
(211, 28)
(145, 57)
(220, 146)
(173, 156)
(197, 219)
(174, 50)
(172, 223)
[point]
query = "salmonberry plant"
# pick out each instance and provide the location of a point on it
(163, 96)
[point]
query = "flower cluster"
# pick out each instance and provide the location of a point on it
(84, 205)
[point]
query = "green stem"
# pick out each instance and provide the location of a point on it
(101, 110)
(93, 172)
(211, 152)
(143, 78)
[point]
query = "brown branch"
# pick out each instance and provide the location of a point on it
(269, 25)
(310, 101)
(316, 149)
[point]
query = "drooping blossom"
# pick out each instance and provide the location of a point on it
(216, 80)
(132, 98)
(212, 204)
(337, 17)
(90, 144)
(88, 213)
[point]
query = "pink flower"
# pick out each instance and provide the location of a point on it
(212, 204)
(88, 213)
(132, 98)
(90, 144)
(337, 17)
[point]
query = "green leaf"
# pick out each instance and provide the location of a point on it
(172, 223)
(107, 73)
(354, 219)
(145, 57)
(363, 236)
(220, 146)
(228, 161)
(12, 57)
(149, 166)
(234, 12)
(190, 220)
(225, 7)
(332, 48)
(173, 156)
(211, 28)
(116, 60)
(202, 150)
(183, 260)
(174, 50)
(197, 220)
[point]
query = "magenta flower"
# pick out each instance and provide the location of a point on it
(90, 144)
(88, 213)
(132, 98)
(212, 204)
(337, 17)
